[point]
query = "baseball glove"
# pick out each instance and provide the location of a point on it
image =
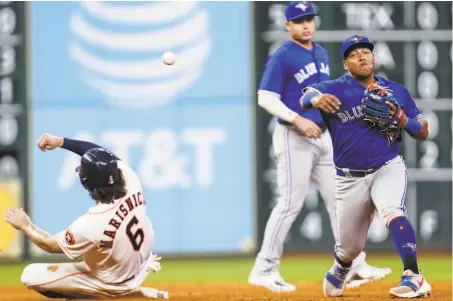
(377, 112)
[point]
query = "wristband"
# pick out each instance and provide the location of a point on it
(413, 127)
(306, 100)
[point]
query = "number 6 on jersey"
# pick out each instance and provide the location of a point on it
(137, 237)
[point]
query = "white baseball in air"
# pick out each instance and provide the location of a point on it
(135, 75)
(168, 58)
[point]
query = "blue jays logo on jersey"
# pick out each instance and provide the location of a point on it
(303, 6)
(355, 39)
(310, 70)
(411, 246)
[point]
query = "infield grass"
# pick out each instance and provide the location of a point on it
(308, 268)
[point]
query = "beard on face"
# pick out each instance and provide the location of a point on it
(359, 77)
(362, 76)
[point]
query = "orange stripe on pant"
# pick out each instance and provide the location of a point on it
(53, 281)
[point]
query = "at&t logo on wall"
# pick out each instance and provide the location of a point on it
(118, 47)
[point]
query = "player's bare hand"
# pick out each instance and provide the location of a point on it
(400, 113)
(327, 103)
(17, 218)
(392, 109)
(49, 142)
(307, 127)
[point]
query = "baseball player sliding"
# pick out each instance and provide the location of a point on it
(302, 146)
(365, 115)
(115, 237)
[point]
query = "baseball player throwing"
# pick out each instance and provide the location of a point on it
(366, 115)
(302, 146)
(115, 237)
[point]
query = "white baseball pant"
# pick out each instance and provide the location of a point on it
(75, 280)
(299, 160)
(358, 198)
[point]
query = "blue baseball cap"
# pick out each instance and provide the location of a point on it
(298, 9)
(353, 42)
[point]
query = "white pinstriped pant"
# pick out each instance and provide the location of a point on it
(358, 198)
(299, 161)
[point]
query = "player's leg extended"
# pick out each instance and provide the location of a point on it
(388, 193)
(294, 154)
(354, 214)
(68, 280)
(323, 178)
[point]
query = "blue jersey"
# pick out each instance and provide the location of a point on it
(290, 69)
(358, 145)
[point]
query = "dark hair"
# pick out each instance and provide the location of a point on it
(110, 193)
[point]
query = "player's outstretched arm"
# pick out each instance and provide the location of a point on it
(417, 128)
(315, 100)
(50, 142)
(21, 221)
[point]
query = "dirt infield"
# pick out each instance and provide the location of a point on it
(241, 292)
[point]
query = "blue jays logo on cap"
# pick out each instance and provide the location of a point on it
(298, 9)
(355, 39)
(303, 5)
(353, 42)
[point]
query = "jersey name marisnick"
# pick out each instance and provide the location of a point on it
(127, 206)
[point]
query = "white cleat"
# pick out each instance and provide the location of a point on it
(273, 282)
(411, 286)
(365, 273)
(334, 281)
(153, 293)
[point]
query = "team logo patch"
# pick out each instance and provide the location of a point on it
(411, 246)
(69, 237)
(303, 6)
(355, 39)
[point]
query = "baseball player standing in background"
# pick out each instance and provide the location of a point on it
(365, 115)
(302, 146)
(115, 237)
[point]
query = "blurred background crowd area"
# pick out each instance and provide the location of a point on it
(193, 131)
